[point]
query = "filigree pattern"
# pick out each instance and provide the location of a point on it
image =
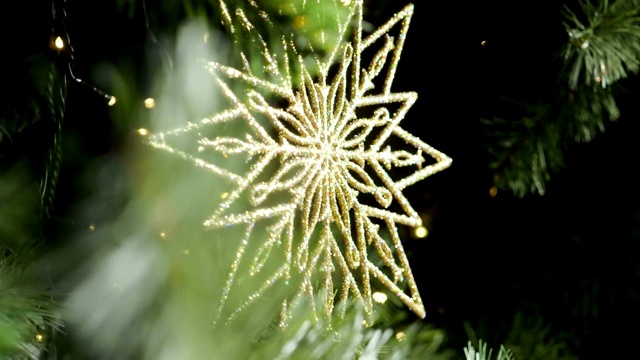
(332, 162)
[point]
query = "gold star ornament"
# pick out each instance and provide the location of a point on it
(326, 163)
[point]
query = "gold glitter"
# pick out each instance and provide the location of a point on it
(332, 192)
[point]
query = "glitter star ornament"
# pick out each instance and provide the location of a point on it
(320, 186)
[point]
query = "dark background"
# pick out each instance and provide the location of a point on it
(569, 258)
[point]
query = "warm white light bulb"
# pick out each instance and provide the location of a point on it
(149, 103)
(58, 43)
(420, 232)
(379, 297)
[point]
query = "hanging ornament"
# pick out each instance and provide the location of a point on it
(319, 148)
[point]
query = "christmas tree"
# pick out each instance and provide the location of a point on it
(273, 179)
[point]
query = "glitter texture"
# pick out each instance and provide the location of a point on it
(333, 140)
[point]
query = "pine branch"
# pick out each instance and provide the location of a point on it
(603, 48)
(526, 150)
(604, 43)
(483, 354)
(56, 96)
(27, 313)
(532, 338)
(585, 112)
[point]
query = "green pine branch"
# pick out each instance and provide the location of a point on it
(526, 150)
(27, 312)
(483, 354)
(604, 42)
(603, 48)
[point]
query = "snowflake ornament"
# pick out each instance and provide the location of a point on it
(320, 152)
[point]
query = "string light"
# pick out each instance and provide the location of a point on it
(379, 297)
(149, 103)
(143, 132)
(493, 191)
(58, 43)
(483, 43)
(112, 101)
(400, 335)
(39, 338)
(300, 21)
(420, 232)
(163, 235)
(92, 227)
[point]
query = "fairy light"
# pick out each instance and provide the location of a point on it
(92, 227)
(483, 43)
(112, 101)
(420, 232)
(379, 297)
(400, 335)
(163, 234)
(58, 43)
(149, 103)
(493, 191)
(142, 132)
(39, 338)
(300, 21)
